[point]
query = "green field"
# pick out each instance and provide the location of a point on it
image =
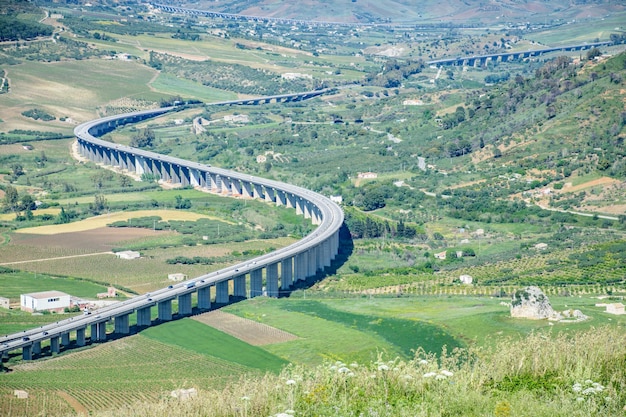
(15, 283)
(201, 339)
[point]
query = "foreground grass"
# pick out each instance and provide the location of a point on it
(579, 375)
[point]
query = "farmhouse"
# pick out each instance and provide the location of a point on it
(615, 308)
(111, 293)
(4, 303)
(128, 254)
(56, 301)
(176, 277)
(441, 255)
(367, 175)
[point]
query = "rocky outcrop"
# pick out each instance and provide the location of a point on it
(531, 303)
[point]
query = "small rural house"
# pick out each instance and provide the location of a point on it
(176, 277)
(441, 255)
(4, 303)
(56, 301)
(128, 254)
(615, 308)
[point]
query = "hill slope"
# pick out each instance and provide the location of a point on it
(398, 11)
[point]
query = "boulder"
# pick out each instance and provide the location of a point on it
(531, 303)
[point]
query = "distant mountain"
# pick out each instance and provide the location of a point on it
(412, 11)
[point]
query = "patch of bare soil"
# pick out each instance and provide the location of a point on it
(256, 334)
(604, 181)
(78, 407)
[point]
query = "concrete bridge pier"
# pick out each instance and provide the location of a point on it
(312, 262)
(102, 331)
(239, 286)
(326, 255)
(184, 304)
(221, 292)
(246, 189)
(165, 310)
(144, 317)
(55, 346)
(27, 353)
(80, 336)
(204, 298)
(65, 339)
(286, 271)
(122, 325)
(300, 267)
(36, 348)
(271, 278)
(256, 283)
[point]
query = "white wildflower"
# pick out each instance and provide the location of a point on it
(429, 374)
(383, 367)
(290, 382)
(440, 377)
(588, 381)
(445, 372)
(580, 399)
(333, 368)
(343, 370)
(423, 362)
(354, 365)
(245, 398)
(577, 387)
(407, 377)
(589, 391)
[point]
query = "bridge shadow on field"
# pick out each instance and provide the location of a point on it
(346, 247)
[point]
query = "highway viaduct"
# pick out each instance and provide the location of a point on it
(511, 56)
(268, 274)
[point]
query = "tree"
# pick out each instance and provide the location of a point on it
(373, 199)
(63, 217)
(99, 204)
(11, 198)
(143, 139)
(27, 203)
(17, 170)
(182, 204)
(592, 53)
(125, 181)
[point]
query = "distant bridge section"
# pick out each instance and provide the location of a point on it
(265, 275)
(511, 56)
(246, 18)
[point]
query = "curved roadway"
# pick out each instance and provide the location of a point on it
(328, 213)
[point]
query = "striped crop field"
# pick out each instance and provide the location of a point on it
(116, 373)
